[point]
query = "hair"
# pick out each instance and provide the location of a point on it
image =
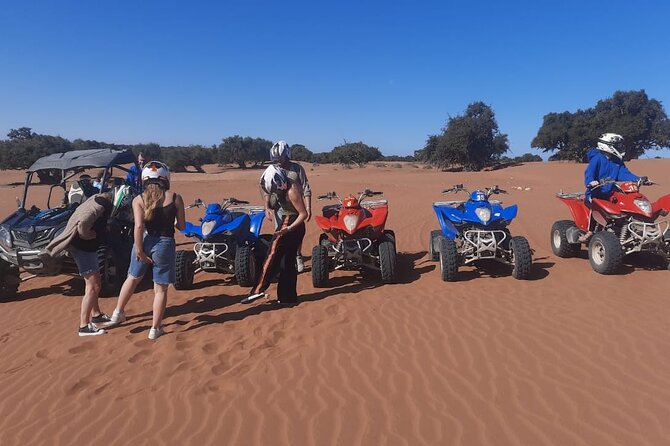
(152, 195)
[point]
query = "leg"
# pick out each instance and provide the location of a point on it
(271, 263)
(160, 301)
(288, 276)
(127, 290)
(93, 285)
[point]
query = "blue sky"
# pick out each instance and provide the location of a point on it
(388, 73)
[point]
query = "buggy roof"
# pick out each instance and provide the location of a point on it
(83, 158)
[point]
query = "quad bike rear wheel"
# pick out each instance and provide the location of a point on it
(387, 260)
(246, 268)
(320, 266)
(559, 240)
(112, 269)
(605, 253)
(522, 257)
(9, 280)
(433, 245)
(448, 259)
(185, 270)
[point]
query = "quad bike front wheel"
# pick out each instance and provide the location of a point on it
(559, 240)
(185, 270)
(448, 259)
(9, 280)
(522, 257)
(605, 253)
(246, 268)
(320, 267)
(434, 245)
(387, 260)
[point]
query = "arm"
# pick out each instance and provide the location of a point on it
(138, 234)
(180, 221)
(266, 199)
(626, 175)
(295, 195)
(306, 191)
(591, 172)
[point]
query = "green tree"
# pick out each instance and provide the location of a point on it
(472, 140)
(357, 153)
(641, 121)
(240, 150)
(301, 153)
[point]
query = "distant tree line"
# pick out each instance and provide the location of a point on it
(472, 140)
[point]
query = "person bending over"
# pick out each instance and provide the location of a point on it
(285, 241)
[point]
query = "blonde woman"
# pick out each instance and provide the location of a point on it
(157, 211)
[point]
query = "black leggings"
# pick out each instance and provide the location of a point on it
(281, 256)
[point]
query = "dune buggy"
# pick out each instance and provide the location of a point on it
(25, 234)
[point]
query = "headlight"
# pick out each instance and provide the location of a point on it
(350, 222)
(484, 214)
(5, 237)
(643, 205)
(208, 227)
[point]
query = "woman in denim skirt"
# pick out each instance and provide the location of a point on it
(157, 212)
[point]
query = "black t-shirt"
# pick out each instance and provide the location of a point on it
(100, 228)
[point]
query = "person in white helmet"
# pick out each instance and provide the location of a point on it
(285, 241)
(605, 162)
(157, 211)
(280, 153)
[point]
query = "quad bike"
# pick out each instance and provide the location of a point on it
(228, 241)
(25, 234)
(623, 224)
(476, 229)
(354, 238)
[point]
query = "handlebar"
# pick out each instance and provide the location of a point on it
(226, 202)
(643, 181)
(334, 196)
(489, 190)
(196, 204)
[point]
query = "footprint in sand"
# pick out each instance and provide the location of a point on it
(86, 347)
(210, 348)
(332, 309)
(138, 356)
(42, 354)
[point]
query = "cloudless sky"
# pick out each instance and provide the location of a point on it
(388, 73)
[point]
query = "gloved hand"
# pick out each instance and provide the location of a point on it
(645, 181)
(593, 184)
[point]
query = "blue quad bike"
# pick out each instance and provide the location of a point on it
(228, 241)
(476, 229)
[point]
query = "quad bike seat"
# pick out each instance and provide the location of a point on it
(80, 191)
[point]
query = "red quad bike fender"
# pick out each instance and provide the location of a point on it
(376, 217)
(662, 204)
(579, 211)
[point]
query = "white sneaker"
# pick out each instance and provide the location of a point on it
(252, 297)
(155, 333)
(118, 317)
(299, 264)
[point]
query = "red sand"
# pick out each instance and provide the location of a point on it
(567, 358)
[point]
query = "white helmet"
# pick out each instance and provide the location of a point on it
(123, 196)
(280, 149)
(274, 180)
(155, 172)
(611, 143)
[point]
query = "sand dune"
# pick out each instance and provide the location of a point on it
(566, 358)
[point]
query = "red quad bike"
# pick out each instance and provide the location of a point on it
(624, 224)
(354, 238)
